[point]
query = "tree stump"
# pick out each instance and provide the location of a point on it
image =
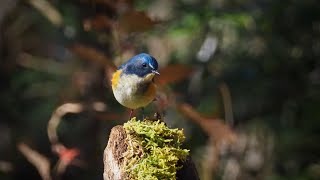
(113, 159)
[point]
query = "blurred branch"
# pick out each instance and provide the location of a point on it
(41, 64)
(48, 10)
(227, 103)
(67, 155)
(221, 137)
(210, 161)
(57, 117)
(63, 110)
(41, 163)
(6, 6)
(5, 166)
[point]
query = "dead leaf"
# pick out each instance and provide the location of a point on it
(215, 128)
(91, 54)
(173, 73)
(98, 23)
(134, 21)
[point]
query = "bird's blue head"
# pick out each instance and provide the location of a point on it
(140, 65)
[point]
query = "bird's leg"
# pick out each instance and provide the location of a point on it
(157, 115)
(130, 116)
(142, 109)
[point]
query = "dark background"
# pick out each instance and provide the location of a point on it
(241, 77)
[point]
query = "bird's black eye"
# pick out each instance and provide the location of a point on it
(144, 65)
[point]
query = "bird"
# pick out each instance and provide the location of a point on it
(133, 82)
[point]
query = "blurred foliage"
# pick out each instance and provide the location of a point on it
(254, 64)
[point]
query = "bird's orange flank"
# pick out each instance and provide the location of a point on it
(115, 78)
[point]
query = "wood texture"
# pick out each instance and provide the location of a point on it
(113, 160)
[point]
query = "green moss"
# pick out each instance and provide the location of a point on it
(153, 150)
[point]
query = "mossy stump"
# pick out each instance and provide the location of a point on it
(157, 156)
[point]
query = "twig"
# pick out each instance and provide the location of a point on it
(40, 162)
(57, 117)
(48, 10)
(227, 103)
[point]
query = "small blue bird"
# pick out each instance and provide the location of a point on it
(132, 84)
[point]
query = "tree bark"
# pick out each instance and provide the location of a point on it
(113, 159)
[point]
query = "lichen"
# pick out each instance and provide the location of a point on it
(153, 150)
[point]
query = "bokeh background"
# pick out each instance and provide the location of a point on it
(241, 77)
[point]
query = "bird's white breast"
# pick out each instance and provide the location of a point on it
(128, 93)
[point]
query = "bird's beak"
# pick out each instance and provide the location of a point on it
(150, 76)
(155, 72)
